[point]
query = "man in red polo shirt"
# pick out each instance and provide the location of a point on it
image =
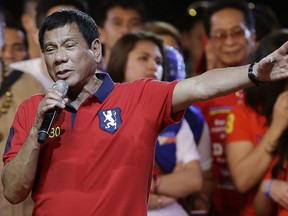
(98, 158)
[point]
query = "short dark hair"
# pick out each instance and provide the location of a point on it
(43, 6)
(101, 11)
(11, 22)
(122, 48)
(222, 4)
(85, 23)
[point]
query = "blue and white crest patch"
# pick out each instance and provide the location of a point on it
(110, 120)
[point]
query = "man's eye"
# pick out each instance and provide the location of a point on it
(49, 49)
(70, 45)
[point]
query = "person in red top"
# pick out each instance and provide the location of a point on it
(271, 198)
(255, 128)
(229, 27)
(98, 158)
(245, 128)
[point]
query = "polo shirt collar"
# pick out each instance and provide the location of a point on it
(106, 87)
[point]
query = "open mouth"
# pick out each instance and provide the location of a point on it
(63, 74)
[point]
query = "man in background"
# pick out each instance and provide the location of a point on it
(229, 26)
(116, 18)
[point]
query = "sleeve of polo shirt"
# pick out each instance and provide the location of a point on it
(23, 121)
(157, 102)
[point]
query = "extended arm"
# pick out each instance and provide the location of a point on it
(219, 82)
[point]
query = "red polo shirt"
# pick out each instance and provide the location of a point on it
(98, 159)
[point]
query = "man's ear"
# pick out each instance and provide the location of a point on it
(97, 49)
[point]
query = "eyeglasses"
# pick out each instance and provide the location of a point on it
(236, 33)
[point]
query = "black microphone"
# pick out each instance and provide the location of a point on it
(62, 87)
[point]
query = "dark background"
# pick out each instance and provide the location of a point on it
(166, 10)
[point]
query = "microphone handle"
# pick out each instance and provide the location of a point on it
(48, 120)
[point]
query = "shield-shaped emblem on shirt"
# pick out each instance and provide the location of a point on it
(110, 119)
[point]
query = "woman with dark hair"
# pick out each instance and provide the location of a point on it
(257, 131)
(117, 66)
(272, 196)
(177, 171)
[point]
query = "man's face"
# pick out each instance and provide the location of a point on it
(68, 56)
(231, 40)
(119, 22)
(14, 47)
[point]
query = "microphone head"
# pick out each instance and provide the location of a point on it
(61, 86)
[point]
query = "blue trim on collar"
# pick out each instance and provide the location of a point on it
(106, 87)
